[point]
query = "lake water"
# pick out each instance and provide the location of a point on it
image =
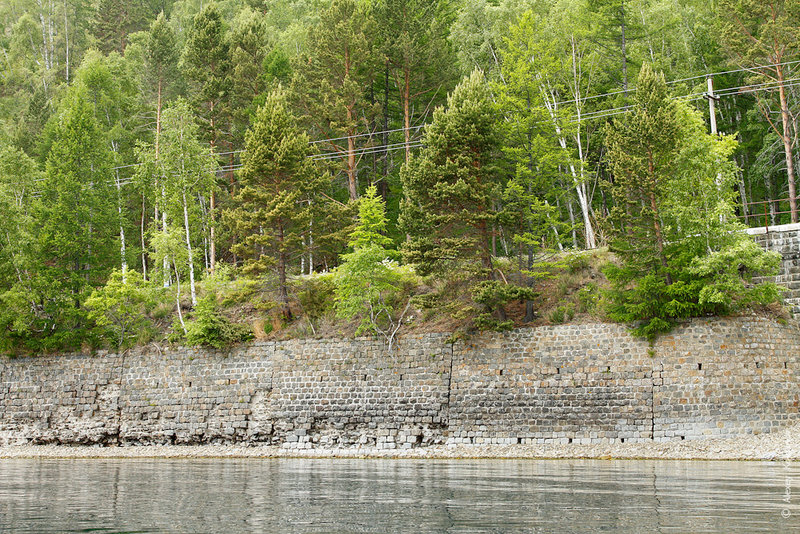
(231, 496)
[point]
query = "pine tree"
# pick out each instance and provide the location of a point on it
(332, 80)
(161, 65)
(248, 68)
(116, 19)
(158, 83)
(451, 185)
(413, 42)
(642, 153)
(275, 204)
(681, 251)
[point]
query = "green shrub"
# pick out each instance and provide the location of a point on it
(588, 298)
(562, 314)
(209, 327)
(315, 294)
(493, 296)
(118, 308)
(577, 263)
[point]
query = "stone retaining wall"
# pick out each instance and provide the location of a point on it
(589, 383)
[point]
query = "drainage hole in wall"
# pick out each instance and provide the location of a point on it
(699, 366)
(622, 440)
(683, 438)
(558, 370)
(569, 440)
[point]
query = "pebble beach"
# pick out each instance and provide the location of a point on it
(782, 445)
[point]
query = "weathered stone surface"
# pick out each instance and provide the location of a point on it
(561, 384)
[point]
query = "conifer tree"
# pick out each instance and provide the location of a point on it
(161, 65)
(642, 152)
(413, 42)
(275, 204)
(332, 80)
(681, 251)
(248, 64)
(763, 36)
(206, 62)
(158, 81)
(450, 186)
(367, 279)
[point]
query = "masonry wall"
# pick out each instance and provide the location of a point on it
(576, 383)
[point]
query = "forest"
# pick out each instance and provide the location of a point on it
(210, 172)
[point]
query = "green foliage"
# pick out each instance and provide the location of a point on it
(681, 250)
(209, 327)
(278, 200)
(588, 298)
(315, 294)
(331, 81)
(206, 63)
(494, 295)
(449, 187)
(367, 279)
(512, 169)
(119, 306)
(562, 313)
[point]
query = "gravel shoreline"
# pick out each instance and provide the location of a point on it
(781, 445)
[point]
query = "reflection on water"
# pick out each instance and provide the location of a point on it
(230, 496)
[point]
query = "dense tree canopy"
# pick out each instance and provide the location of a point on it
(169, 137)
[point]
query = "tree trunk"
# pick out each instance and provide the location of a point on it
(407, 111)
(656, 221)
(178, 297)
(283, 293)
(624, 53)
(189, 250)
(212, 252)
(124, 261)
(787, 145)
(352, 183)
(144, 248)
(385, 181)
(66, 42)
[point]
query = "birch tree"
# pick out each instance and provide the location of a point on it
(186, 168)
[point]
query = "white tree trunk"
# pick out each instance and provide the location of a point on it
(124, 262)
(189, 250)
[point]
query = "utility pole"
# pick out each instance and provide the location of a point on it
(712, 104)
(712, 100)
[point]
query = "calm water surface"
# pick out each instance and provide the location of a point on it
(231, 496)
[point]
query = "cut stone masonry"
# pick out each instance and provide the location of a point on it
(590, 383)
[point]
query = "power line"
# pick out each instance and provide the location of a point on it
(368, 134)
(597, 114)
